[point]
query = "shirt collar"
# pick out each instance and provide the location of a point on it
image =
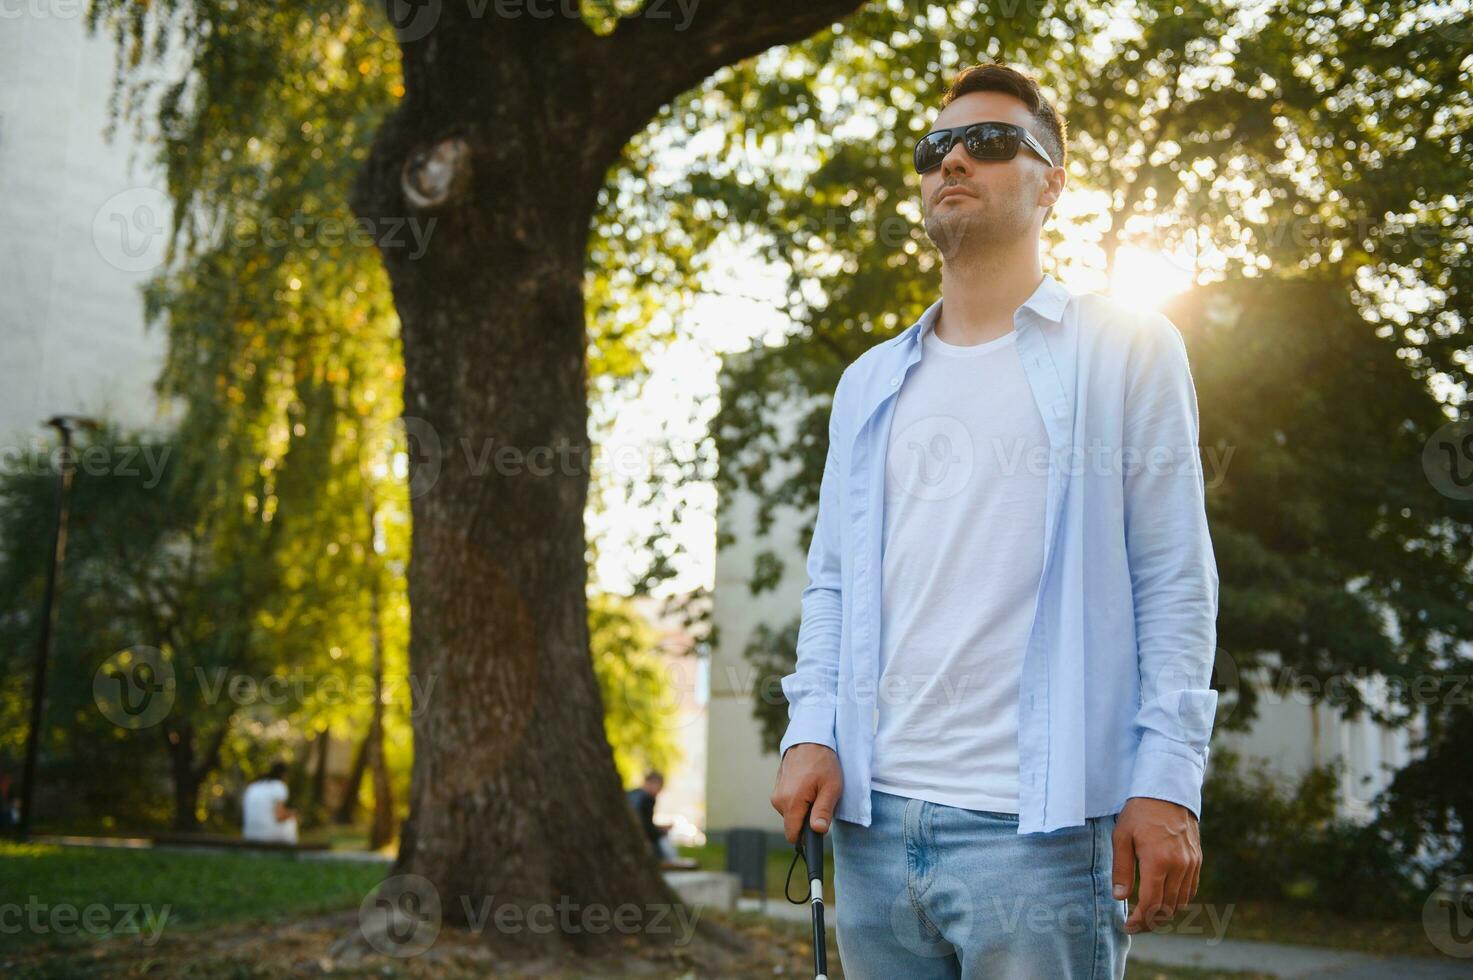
(1049, 301)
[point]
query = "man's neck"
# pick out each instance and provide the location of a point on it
(980, 295)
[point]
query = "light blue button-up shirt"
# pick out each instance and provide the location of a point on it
(1114, 700)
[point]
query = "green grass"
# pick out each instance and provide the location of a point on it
(182, 890)
(712, 857)
(336, 836)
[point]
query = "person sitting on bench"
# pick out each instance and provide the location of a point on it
(642, 798)
(265, 815)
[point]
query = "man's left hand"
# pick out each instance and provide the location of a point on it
(1163, 836)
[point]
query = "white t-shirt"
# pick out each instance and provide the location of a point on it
(965, 492)
(258, 811)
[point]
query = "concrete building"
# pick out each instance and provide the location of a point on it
(82, 225)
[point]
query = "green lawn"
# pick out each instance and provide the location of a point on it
(712, 857)
(69, 894)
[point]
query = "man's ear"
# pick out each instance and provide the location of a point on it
(1053, 187)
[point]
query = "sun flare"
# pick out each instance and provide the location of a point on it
(1147, 278)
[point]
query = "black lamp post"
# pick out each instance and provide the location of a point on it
(63, 424)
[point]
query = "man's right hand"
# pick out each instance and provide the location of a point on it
(808, 773)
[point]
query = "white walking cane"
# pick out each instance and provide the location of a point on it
(810, 846)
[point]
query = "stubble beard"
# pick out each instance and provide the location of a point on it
(964, 235)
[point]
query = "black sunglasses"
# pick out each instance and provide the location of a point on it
(983, 141)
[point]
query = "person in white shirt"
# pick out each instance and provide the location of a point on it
(1001, 703)
(265, 815)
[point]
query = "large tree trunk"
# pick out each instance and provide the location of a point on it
(188, 772)
(381, 831)
(317, 787)
(347, 810)
(186, 784)
(503, 140)
(513, 794)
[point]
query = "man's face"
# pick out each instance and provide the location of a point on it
(972, 206)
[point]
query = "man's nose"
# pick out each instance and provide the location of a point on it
(956, 160)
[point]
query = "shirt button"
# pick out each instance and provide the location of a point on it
(894, 382)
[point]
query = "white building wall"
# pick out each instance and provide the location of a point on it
(71, 314)
(1289, 735)
(740, 773)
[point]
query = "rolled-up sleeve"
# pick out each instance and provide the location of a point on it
(812, 687)
(1173, 571)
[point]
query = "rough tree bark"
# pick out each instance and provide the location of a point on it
(505, 134)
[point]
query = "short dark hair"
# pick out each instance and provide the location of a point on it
(997, 77)
(277, 771)
(654, 776)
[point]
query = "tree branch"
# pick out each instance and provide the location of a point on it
(663, 56)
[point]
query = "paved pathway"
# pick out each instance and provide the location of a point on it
(1284, 960)
(1240, 955)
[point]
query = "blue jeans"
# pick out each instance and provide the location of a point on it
(931, 891)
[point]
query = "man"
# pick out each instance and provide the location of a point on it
(1001, 699)
(264, 813)
(642, 799)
